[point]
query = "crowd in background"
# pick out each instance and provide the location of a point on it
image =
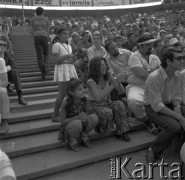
(99, 55)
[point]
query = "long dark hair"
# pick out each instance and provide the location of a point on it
(72, 85)
(95, 69)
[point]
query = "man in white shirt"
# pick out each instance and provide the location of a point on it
(141, 63)
(96, 50)
(163, 100)
(118, 61)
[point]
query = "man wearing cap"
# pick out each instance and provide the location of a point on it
(40, 29)
(13, 74)
(141, 63)
(163, 100)
(174, 42)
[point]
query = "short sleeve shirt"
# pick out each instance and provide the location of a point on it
(137, 60)
(2, 70)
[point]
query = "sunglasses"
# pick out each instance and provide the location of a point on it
(3, 45)
(177, 45)
(180, 58)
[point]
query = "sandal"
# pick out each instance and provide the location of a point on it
(75, 147)
(153, 130)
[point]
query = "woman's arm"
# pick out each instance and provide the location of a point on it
(117, 85)
(67, 58)
(99, 95)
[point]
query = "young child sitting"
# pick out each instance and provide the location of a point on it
(75, 121)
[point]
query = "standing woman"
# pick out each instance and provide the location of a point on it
(40, 29)
(64, 67)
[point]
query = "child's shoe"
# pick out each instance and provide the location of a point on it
(73, 145)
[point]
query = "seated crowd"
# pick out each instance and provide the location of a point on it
(107, 76)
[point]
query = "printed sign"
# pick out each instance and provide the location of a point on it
(144, 1)
(46, 2)
(14, 2)
(111, 2)
(75, 3)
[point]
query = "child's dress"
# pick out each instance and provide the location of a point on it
(75, 110)
(4, 100)
(63, 72)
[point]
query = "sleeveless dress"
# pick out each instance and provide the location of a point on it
(63, 72)
(109, 112)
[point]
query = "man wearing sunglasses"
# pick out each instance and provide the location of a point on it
(163, 100)
(174, 42)
(13, 74)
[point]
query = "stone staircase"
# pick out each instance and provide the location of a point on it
(32, 143)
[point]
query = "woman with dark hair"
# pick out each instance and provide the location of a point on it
(100, 85)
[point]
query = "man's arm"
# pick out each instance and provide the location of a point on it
(154, 84)
(136, 66)
(9, 60)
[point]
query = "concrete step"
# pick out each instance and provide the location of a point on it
(35, 67)
(37, 78)
(33, 97)
(37, 90)
(22, 70)
(38, 84)
(32, 74)
(16, 117)
(60, 159)
(22, 58)
(28, 128)
(18, 146)
(101, 170)
(33, 105)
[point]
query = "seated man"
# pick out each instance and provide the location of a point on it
(13, 74)
(141, 63)
(96, 50)
(163, 99)
(118, 61)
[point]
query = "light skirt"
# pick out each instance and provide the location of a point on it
(64, 72)
(4, 105)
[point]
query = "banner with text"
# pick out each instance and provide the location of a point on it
(46, 2)
(144, 1)
(15, 2)
(111, 2)
(75, 3)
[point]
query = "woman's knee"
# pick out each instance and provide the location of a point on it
(93, 119)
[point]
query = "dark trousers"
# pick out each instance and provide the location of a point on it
(170, 128)
(14, 77)
(42, 51)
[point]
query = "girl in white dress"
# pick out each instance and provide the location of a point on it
(64, 67)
